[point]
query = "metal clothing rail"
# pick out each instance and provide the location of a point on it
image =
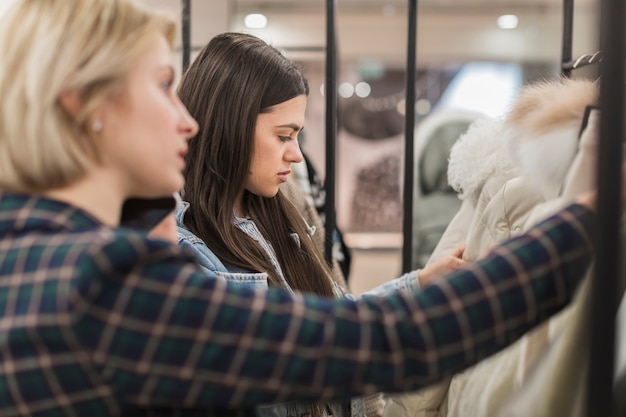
(568, 29)
(331, 132)
(605, 284)
(583, 60)
(186, 32)
(604, 288)
(568, 63)
(331, 128)
(409, 130)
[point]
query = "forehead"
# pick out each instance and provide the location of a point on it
(288, 112)
(157, 56)
(154, 65)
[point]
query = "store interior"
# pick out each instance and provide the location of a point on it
(471, 55)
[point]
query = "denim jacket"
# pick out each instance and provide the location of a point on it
(237, 276)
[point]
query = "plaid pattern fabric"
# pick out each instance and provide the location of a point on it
(97, 321)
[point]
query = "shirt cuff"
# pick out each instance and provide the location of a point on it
(407, 283)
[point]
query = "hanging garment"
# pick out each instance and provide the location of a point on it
(469, 178)
(543, 137)
(436, 202)
(482, 142)
(557, 384)
(508, 183)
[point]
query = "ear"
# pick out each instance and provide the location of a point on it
(71, 102)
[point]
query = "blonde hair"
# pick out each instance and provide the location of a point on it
(55, 46)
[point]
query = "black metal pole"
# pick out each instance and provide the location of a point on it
(604, 287)
(331, 128)
(409, 127)
(186, 33)
(568, 30)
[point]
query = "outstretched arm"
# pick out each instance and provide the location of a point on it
(188, 339)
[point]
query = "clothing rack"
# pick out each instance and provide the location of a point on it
(567, 62)
(409, 131)
(331, 131)
(567, 41)
(605, 284)
(186, 32)
(607, 237)
(331, 128)
(583, 60)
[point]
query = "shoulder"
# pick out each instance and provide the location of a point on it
(201, 252)
(82, 265)
(125, 250)
(211, 263)
(193, 244)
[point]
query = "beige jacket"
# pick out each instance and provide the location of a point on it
(500, 204)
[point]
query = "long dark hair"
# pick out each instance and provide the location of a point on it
(235, 78)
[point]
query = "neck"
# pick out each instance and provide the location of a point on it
(94, 194)
(238, 209)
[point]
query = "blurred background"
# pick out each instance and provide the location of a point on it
(472, 55)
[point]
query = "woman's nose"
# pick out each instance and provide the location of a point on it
(294, 154)
(188, 124)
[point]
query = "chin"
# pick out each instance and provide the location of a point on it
(263, 192)
(175, 184)
(160, 189)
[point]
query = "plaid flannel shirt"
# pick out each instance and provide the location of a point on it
(96, 321)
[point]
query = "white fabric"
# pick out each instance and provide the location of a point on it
(510, 176)
(489, 388)
(456, 232)
(556, 384)
(479, 156)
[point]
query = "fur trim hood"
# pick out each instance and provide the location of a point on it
(538, 138)
(477, 156)
(542, 129)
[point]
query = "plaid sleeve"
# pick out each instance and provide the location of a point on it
(161, 333)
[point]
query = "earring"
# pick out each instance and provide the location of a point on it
(97, 126)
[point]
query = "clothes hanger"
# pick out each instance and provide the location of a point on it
(583, 60)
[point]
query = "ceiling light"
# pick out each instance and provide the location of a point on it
(508, 21)
(401, 107)
(422, 106)
(362, 89)
(255, 21)
(346, 90)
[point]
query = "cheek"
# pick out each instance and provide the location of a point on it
(261, 155)
(257, 167)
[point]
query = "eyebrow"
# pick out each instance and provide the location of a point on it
(166, 68)
(293, 126)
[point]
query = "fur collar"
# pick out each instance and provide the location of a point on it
(542, 129)
(538, 138)
(477, 156)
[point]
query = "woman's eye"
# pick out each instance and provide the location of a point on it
(166, 85)
(284, 138)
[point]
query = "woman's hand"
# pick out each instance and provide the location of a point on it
(442, 266)
(588, 199)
